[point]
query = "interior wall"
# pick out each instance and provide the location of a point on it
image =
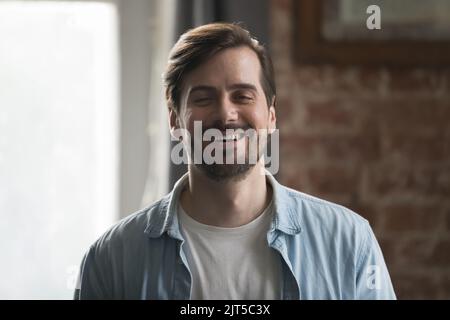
(376, 140)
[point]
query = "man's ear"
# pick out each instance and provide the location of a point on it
(174, 122)
(272, 116)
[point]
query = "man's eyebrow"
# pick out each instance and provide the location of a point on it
(247, 86)
(201, 88)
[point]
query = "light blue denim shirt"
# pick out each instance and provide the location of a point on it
(326, 252)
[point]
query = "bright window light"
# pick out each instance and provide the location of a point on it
(59, 132)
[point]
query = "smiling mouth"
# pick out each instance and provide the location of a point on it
(231, 137)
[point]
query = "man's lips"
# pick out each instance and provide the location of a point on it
(231, 137)
(229, 133)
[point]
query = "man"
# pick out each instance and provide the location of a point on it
(230, 230)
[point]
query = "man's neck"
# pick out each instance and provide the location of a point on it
(229, 203)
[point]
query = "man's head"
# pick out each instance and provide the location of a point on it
(219, 75)
(197, 45)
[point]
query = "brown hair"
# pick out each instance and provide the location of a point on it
(197, 45)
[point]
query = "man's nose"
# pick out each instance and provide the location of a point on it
(226, 110)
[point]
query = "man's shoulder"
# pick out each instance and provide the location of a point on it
(131, 230)
(327, 225)
(314, 211)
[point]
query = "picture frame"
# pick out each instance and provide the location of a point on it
(324, 33)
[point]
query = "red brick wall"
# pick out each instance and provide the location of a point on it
(376, 140)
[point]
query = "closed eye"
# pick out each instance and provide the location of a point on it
(202, 101)
(245, 99)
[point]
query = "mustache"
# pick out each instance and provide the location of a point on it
(224, 127)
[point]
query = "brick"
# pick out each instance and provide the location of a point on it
(412, 218)
(376, 80)
(329, 180)
(331, 112)
(415, 286)
(445, 285)
(309, 78)
(411, 80)
(395, 179)
(426, 253)
(417, 148)
(410, 115)
(350, 148)
(367, 211)
(294, 177)
(389, 250)
(298, 149)
(283, 107)
(419, 81)
(330, 148)
(367, 81)
(440, 256)
(448, 219)
(416, 251)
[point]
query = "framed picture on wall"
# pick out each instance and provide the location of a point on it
(406, 32)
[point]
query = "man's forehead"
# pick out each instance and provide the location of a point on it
(230, 67)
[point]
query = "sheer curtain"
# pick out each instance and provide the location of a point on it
(59, 110)
(161, 36)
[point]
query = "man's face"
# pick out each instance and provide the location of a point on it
(225, 93)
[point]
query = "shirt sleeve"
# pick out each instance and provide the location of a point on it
(92, 281)
(372, 278)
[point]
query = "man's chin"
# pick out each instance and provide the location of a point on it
(224, 172)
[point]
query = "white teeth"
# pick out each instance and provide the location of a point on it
(232, 137)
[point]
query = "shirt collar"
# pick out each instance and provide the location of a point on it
(162, 216)
(286, 217)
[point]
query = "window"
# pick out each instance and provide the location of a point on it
(59, 132)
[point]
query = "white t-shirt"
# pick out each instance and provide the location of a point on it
(231, 263)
